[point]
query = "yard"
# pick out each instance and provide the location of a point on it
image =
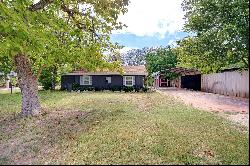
(117, 128)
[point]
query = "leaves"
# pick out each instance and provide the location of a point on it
(221, 34)
(59, 32)
(160, 60)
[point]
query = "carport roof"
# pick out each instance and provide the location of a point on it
(183, 71)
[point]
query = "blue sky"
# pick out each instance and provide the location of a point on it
(133, 41)
(150, 23)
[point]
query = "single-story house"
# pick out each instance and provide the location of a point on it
(188, 78)
(132, 76)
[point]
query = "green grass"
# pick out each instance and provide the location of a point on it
(117, 128)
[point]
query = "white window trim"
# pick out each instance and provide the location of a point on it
(125, 80)
(109, 80)
(82, 80)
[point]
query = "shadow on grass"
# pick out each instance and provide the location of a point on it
(47, 137)
(10, 104)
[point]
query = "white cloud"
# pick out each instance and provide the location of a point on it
(153, 17)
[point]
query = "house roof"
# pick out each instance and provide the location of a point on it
(128, 70)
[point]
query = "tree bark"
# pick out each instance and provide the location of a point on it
(54, 74)
(28, 85)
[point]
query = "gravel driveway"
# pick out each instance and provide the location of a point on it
(235, 109)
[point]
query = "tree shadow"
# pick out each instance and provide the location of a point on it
(49, 136)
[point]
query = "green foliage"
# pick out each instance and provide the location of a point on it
(160, 60)
(221, 34)
(145, 89)
(5, 64)
(49, 76)
(14, 81)
(90, 88)
(116, 88)
(2, 80)
(76, 86)
(98, 89)
(128, 88)
(58, 32)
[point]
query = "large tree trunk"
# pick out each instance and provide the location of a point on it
(28, 85)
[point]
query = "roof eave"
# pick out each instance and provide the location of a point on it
(92, 74)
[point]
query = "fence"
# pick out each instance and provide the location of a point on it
(227, 83)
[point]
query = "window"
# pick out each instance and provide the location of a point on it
(85, 80)
(128, 80)
(108, 79)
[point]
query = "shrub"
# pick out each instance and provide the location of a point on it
(76, 86)
(116, 88)
(98, 89)
(90, 88)
(137, 88)
(128, 88)
(145, 89)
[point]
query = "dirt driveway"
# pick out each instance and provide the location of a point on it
(233, 108)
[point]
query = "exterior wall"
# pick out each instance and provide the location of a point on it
(67, 81)
(176, 82)
(98, 81)
(227, 83)
(160, 81)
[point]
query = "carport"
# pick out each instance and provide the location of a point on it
(188, 78)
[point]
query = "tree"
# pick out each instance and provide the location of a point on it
(35, 36)
(49, 78)
(221, 33)
(134, 57)
(192, 53)
(160, 60)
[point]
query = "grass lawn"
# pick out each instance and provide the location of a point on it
(117, 128)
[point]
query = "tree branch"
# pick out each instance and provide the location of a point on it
(40, 5)
(71, 13)
(81, 26)
(40, 71)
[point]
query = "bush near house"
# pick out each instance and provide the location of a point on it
(77, 87)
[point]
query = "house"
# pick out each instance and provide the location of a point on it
(188, 78)
(7, 79)
(133, 76)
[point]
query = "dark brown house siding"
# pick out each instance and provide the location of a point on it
(99, 81)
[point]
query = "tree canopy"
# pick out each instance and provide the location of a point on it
(220, 34)
(161, 59)
(50, 32)
(135, 57)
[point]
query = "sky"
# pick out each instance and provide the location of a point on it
(150, 23)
